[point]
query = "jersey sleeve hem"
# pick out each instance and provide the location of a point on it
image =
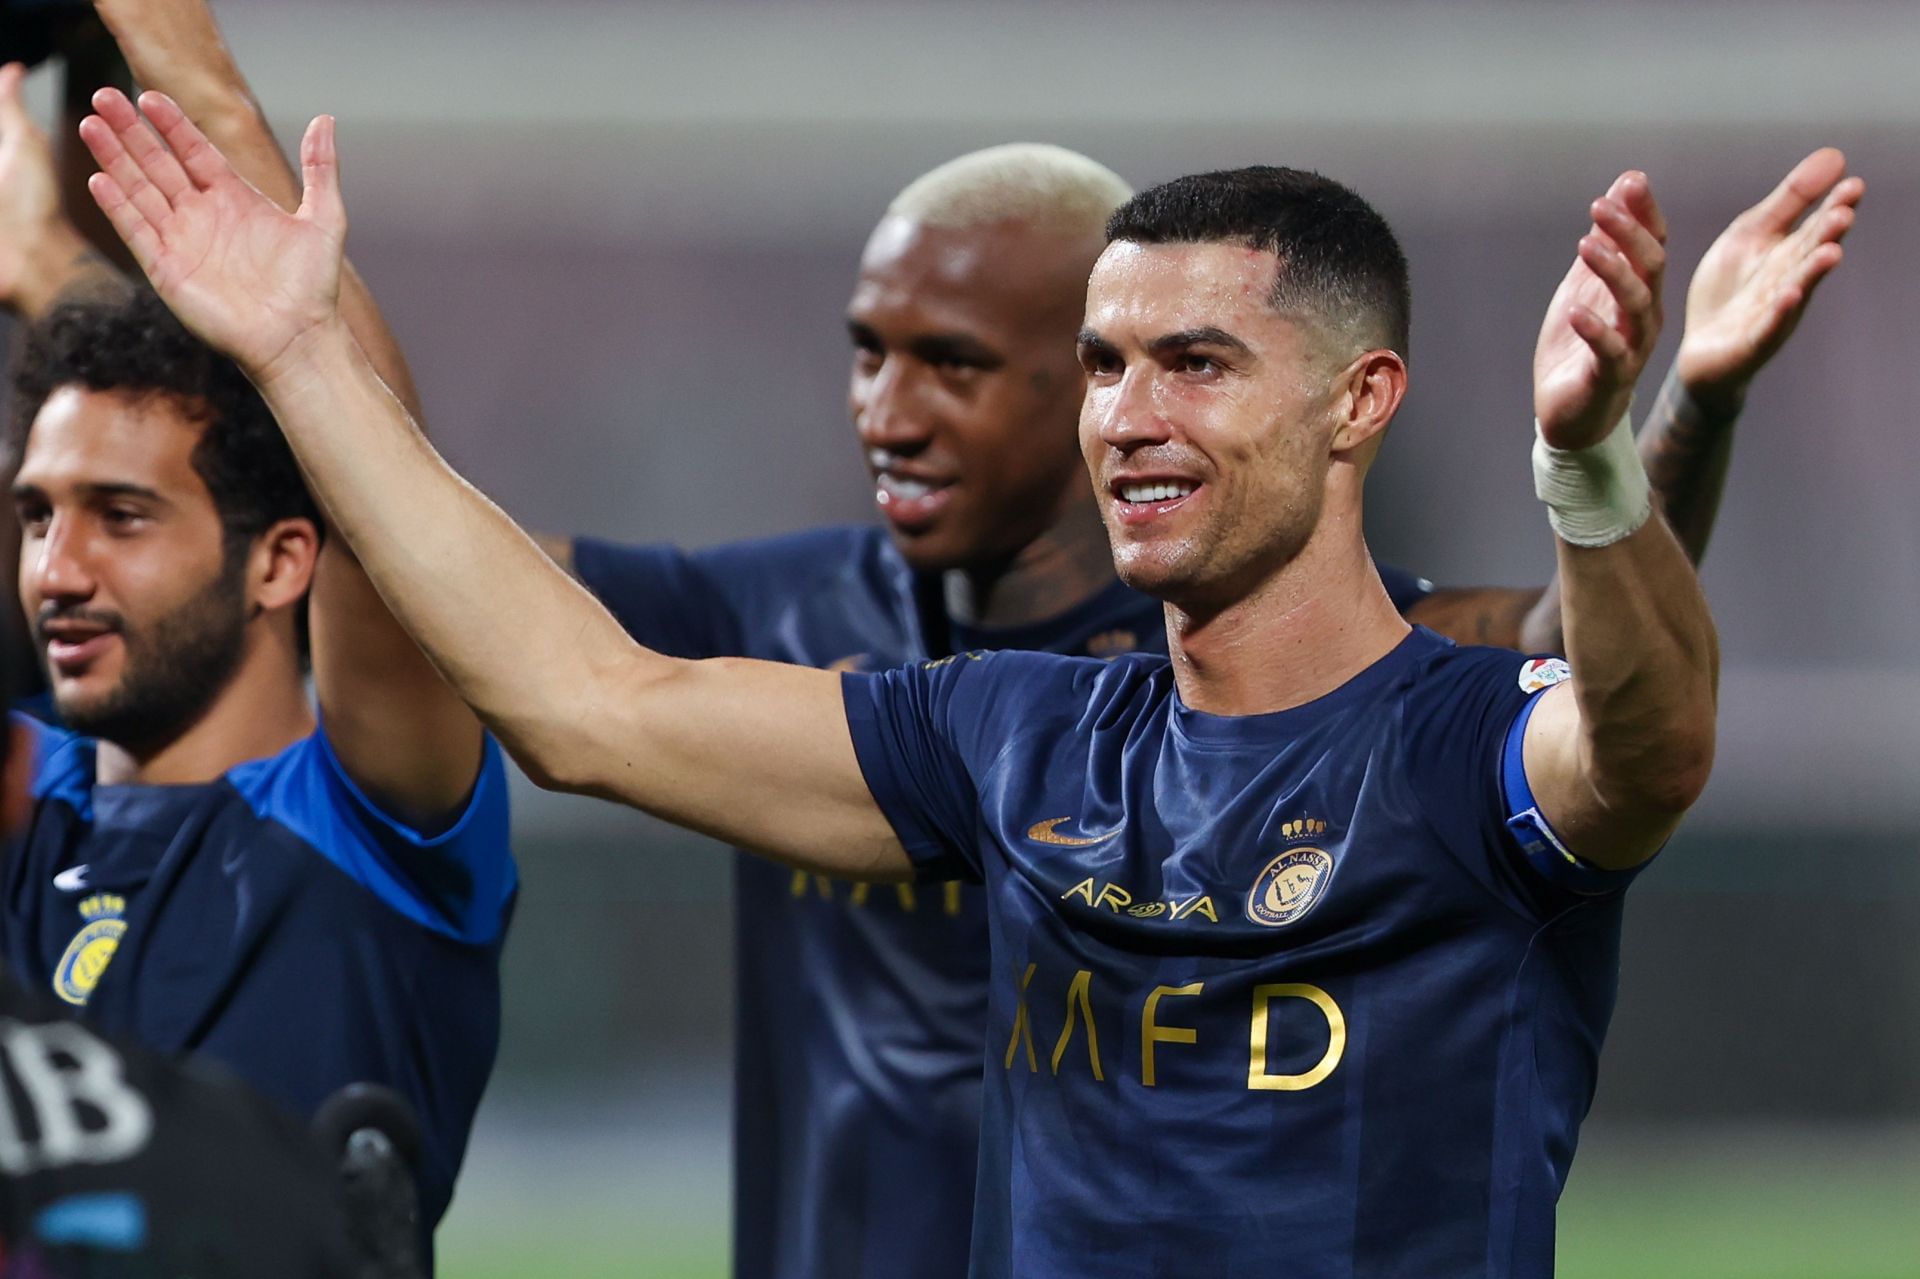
(891, 786)
(459, 881)
(1545, 851)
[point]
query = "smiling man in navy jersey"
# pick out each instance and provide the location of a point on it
(1357, 889)
(860, 1010)
(311, 891)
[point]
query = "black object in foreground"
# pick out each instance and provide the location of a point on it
(373, 1134)
(32, 31)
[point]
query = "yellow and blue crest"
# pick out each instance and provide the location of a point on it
(1289, 886)
(91, 949)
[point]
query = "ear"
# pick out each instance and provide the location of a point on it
(280, 568)
(1369, 393)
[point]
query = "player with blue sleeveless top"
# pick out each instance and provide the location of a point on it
(1242, 344)
(859, 1011)
(311, 891)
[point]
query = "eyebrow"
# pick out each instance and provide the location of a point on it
(1206, 335)
(95, 491)
(935, 347)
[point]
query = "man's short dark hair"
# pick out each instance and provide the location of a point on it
(130, 342)
(1339, 260)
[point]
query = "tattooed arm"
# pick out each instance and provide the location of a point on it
(1746, 296)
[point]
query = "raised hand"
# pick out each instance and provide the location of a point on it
(1752, 287)
(31, 225)
(1604, 318)
(249, 278)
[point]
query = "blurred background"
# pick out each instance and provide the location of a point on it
(617, 240)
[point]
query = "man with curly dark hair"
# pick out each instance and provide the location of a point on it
(311, 890)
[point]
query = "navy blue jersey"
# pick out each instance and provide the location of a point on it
(275, 921)
(860, 1009)
(1271, 994)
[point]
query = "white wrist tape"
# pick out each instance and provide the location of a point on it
(1597, 495)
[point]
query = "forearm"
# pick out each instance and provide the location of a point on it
(435, 547)
(61, 265)
(1645, 663)
(177, 49)
(1686, 445)
(752, 752)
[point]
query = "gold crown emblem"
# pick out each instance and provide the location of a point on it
(1301, 829)
(103, 906)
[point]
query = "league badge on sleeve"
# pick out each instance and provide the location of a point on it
(1543, 672)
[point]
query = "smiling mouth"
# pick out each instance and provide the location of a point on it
(1157, 491)
(910, 501)
(70, 652)
(1142, 501)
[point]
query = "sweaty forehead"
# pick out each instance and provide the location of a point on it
(1000, 273)
(1181, 285)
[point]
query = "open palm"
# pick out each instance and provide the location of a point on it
(1753, 285)
(244, 275)
(1603, 320)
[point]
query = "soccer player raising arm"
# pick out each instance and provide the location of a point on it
(1358, 889)
(151, 475)
(596, 714)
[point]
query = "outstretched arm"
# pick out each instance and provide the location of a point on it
(399, 731)
(1617, 755)
(1745, 300)
(175, 47)
(752, 752)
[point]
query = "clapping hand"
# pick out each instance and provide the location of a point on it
(1604, 318)
(1753, 285)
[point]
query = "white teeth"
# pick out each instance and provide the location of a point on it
(1161, 492)
(901, 487)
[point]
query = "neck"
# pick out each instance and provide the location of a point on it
(262, 711)
(1065, 566)
(1316, 623)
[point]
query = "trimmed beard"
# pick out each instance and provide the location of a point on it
(176, 666)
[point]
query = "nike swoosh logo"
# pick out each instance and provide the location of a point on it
(1043, 833)
(71, 880)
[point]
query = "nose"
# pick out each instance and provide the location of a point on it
(1125, 414)
(57, 568)
(887, 410)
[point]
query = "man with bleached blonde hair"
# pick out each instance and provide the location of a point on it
(862, 1010)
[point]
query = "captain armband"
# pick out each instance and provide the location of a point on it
(1597, 495)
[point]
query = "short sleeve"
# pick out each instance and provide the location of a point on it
(916, 765)
(459, 881)
(1461, 715)
(666, 598)
(1403, 588)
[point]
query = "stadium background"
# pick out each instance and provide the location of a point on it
(616, 240)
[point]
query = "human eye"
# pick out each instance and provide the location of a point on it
(33, 514)
(867, 350)
(1098, 361)
(122, 518)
